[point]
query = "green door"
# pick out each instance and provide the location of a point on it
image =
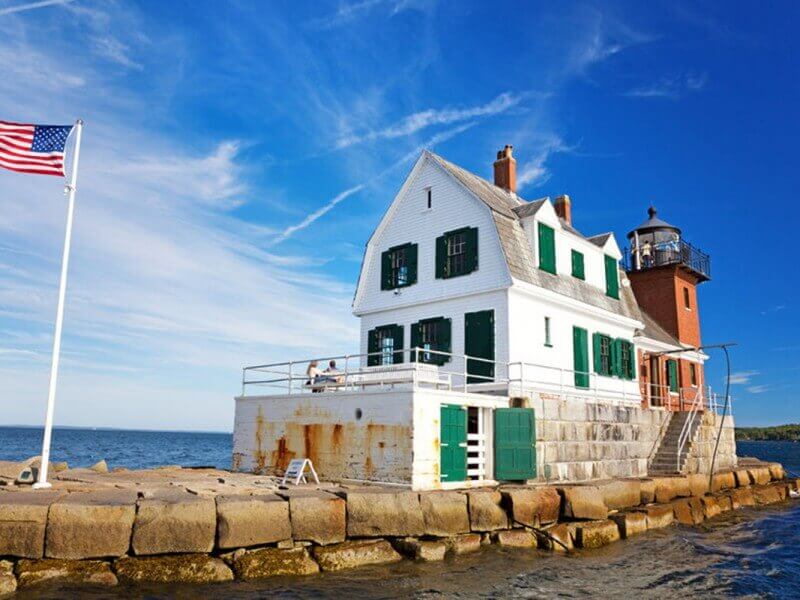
(479, 342)
(514, 444)
(453, 442)
(580, 351)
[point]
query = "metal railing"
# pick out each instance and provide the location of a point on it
(420, 367)
(667, 253)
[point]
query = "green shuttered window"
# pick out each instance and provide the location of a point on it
(457, 253)
(399, 267)
(580, 350)
(432, 335)
(577, 265)
(547, 249)
(385, 345)
(672, 375)
(612, 278)
(601, 346)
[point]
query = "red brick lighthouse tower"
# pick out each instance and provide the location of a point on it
(664, 271)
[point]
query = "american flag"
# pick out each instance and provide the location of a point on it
(33, 148)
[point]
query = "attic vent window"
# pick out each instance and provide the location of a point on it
(429, 197)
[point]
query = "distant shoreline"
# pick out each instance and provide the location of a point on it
(84, 428)
(778, 433)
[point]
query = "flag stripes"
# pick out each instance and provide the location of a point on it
(37, 149)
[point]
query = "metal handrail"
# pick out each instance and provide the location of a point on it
(674, 252)
(686, 430)
(283, 376)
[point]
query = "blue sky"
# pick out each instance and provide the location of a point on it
(237, 156)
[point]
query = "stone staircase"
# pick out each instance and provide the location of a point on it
(666, 460)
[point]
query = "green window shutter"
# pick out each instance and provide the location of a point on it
(580, 350)
(597, 339)
(372, 346)
(547, 249)
(616, 358)
(578, 269)
(472, 249)
(386, 270)
(441, 257)
(672, 375)
(612, 278)
(416, 340)
(445, 340)
(411, 258)
(397, 336)
(633, 361)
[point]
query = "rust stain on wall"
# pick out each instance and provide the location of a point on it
(338, 450)
(259, 455)
(282, 455)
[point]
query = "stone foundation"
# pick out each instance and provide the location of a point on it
(702, 451)
(380, 526)
(581, 438)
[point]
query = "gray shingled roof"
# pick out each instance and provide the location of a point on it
(600, 239)
(507, 210)
(654, 331)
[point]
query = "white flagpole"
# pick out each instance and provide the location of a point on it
(62, 291)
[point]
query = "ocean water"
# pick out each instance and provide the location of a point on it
(752, 553)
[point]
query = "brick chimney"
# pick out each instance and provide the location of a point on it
(505, 170)
(563, 208)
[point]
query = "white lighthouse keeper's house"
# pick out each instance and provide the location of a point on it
(497, 343)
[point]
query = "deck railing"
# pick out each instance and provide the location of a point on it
(420, 367)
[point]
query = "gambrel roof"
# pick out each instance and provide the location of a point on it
(507, 211)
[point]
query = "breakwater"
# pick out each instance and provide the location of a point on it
(179, 525)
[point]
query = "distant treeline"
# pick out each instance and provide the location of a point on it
(781, 432)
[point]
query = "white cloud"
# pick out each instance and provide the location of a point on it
(758, 389)
(535, 171)
(673, 87)
(774, 309)
(349, 12)
(742, 377)
(310, 218)
(427, 118)
(31, 6)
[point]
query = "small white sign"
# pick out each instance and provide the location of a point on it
(295, 472)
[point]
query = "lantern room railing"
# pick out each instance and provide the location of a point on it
(673, 252)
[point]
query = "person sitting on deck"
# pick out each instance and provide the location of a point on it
(333, 373)
(314, 376)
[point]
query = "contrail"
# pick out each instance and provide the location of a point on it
(32, 6)
(438, 138)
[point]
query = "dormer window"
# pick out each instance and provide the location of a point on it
(399, 267)
(578, 270)
(457, 253)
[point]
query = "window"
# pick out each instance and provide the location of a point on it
(693, 374)
(385, 345)
(612, 278)
(627, 363)
(429, 196)
(457, 253)
(613, 357)
(672, 376)
(547, 341)
(432, 336)
(580, 352)
(547, 249)
(686, 301)
(602, 354)
(577, 265)
(399, 267)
